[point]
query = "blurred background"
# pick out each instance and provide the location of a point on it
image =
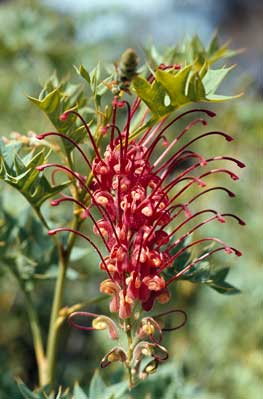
(218, 354)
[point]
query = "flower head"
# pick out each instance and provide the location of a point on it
(138, 203)
(139, 198)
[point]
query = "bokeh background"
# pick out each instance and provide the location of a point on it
(218, 355)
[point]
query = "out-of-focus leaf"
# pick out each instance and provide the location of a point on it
(78, 393)
(191, 51)
(78, 253)
(20, 172)
(98, 389)
(45, 393)
(195, 50)
(84, 73)
(97, 386)
(95, 77)
(27, 394)
(116, 391)
(217, 282)
(25, 249)
(214, 77)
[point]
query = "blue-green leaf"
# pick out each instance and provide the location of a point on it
(78, 393)
(97, 386)
(116, 391)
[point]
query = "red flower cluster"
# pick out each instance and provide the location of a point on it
(133, 195)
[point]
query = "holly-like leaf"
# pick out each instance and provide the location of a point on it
(153, 95)
(175, 85)
(173, 89)
(54, 100)
(19, 171)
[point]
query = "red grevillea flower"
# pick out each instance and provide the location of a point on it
(138, 203)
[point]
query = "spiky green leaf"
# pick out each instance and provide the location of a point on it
(54, 100)
(19, 171)
(153, 95)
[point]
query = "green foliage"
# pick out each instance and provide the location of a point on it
(58, 97)
(153, 95)
(195, 82)
(25, 249)
(192, 50)
(97, 390)
(43, 393)
(78, 393)
(174, 89)
(168, 383)
(19, 171)
(203, 272)
(34, 40)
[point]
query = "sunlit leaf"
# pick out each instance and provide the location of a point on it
(153, 95)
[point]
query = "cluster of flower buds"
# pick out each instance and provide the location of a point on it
(146, 342)
(138, 197)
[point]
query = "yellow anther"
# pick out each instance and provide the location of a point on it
(148, 329)
(151, 368)
(99, 324)
(146, 351)
(114, 357)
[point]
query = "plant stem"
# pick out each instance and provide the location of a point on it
(53, 331)
(52, 341)
(53, 335)
(129, 352)
(37, 339)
